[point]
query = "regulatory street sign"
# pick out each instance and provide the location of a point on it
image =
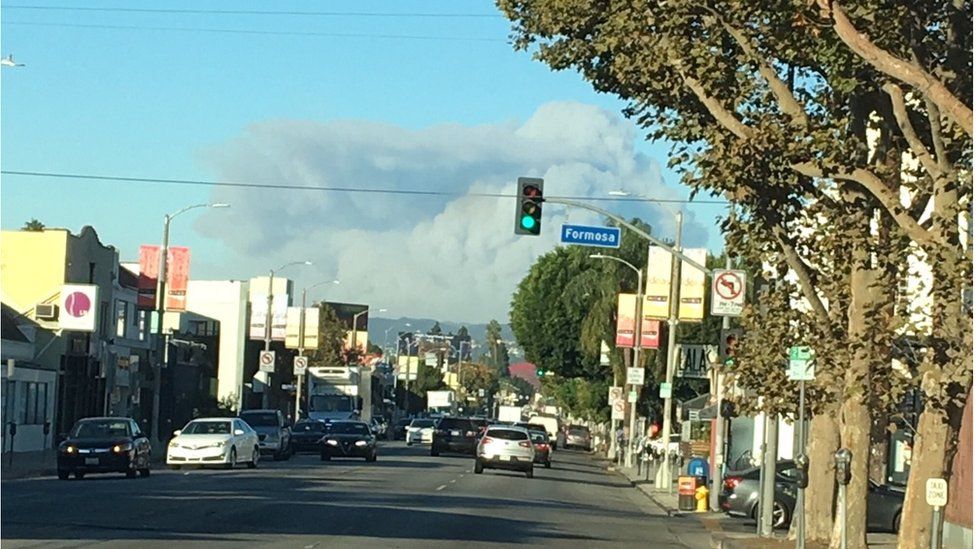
(936, 492)
(665, 390)
(728, 292)
(693, 360)
(266, 361)
(635, 376)
(618, 409)
(603, 237)
(616, 399)
(301, 365)
(604, 354)
(801, 364)
(632, 396)
(481, 392)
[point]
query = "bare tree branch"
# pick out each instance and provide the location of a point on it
(935, 125)
(715, 108)
(905, 124)
(803, 274)
(900, 69)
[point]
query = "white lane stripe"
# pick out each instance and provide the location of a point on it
(453, 481)
(441, 487)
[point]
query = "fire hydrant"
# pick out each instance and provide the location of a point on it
(701, 497)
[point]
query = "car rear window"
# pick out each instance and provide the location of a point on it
(539, 437)
(455, 423)
(579, 432)
(261, 419)
(422, 423)
(507, 434)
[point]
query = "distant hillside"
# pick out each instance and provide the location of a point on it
(378, 329)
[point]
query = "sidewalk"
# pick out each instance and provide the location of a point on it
(725, 533)
(42, 463)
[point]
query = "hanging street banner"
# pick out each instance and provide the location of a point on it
(79, 305)
(293, 327)
(657, 289)
(177, 277)
(626, 321)
(407, 367)
(603, 237)
(148, 276)
(691, 303)
(728, 292)
(650, 333)
(693, 360)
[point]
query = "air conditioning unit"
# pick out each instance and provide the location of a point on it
(46, 311)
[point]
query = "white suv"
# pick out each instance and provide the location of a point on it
(505, 447)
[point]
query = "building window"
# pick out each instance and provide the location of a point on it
(103, 319)
(33, 409)
(121, 312)
(143, 328)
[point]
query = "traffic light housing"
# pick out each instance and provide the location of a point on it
(528, 206)
(729, 344)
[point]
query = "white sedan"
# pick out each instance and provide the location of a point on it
(420, 431)
(214, 441)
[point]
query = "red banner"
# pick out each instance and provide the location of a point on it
(650, 334)
(626, 320)
(148, 275)
(177, 278)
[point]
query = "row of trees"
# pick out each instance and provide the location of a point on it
(841, 134)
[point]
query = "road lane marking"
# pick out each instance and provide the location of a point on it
(453, 481)
(441, 487)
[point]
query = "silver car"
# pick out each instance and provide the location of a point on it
(505, 447)
(578, 437)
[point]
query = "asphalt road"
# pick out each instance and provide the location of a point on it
(405, 499)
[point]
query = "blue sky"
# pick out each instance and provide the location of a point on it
(208, 105)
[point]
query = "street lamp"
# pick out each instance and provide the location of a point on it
(629, 456)
(355, 323)
(301, 344)
(161, 310)
(268, 320)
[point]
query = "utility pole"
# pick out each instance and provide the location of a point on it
(301, 352)
(718, 459)
(637, 364)
(265, 395)
(664, 476)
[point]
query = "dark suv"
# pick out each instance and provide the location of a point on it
(455, 434)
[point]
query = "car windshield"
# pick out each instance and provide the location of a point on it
(349, 429)
(422, 423)
(330, 403)
(101, 429)
(207, 428)
(309, 427)
(261, 419)
(507, 434)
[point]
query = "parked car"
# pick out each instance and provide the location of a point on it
(578, 436)
(349, 439)
(214, 441)
(400, 429)
(306, 435)
(740, 497)
(274, 434)
(543, 452)
(505, 447)
(454, 434)
(420, 431)
(104, 445)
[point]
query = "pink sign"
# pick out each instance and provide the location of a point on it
(77, 304)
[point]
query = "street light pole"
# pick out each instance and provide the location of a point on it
(266, 394)
(629, 451)
(161, 312)
(664, 472)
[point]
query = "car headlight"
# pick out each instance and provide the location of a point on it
(360, 443)
(70, 449)
(332, 442)
(174, 443)
(220, 444)
(119, 448)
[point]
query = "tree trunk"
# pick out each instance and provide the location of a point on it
(878, 462)
(855, 425)
(823, 440)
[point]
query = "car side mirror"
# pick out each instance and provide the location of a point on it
(238, 432)
(177, 432)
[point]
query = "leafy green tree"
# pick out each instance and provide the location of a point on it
(429, 378)
(332, 335)
(496, 353)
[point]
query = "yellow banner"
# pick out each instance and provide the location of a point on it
(691, 304)
(657, 290)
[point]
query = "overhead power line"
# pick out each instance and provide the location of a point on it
(255, 32)
(438, 15)
(361, 190)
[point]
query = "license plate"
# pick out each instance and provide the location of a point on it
(455, 433)
(91, 461)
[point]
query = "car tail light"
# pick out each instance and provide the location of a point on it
(541, 446)
(487, 440)
(469, 433)
(731, 482)
(525, 444)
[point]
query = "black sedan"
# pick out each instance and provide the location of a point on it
(306, 435)
(455, 434)
(104, 445)
(740, 495)
(400, 429)
(349, 439)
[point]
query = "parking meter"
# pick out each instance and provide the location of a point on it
(842, 466)
(802, 471)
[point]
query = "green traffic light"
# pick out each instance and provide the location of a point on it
(528, 222)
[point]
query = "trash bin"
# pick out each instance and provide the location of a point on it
(686, 493)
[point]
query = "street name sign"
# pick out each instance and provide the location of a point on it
(728, 292)
(632, 397)
(801, 364)
(665, 390)
(936, 492)
(635, 376)
(266, 361)
(301, 365)
(603, 237)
